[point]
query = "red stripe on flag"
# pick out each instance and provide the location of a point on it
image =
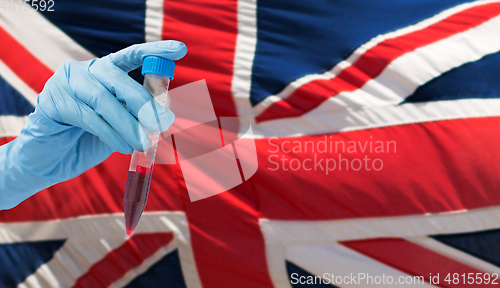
(26, 66)
(374, 61)
(224, 229)
(209, 29)
(6, 140)
(438, 167)
(98, 191)
(121, 260)
(414, 260)
(430, 167)
(227, 241)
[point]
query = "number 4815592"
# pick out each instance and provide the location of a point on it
(471, 278)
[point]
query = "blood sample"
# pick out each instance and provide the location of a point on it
(157, 73)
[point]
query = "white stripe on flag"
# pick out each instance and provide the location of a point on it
(351, 120)
(246, 42)
(11, 126)
(283, 232)
(154, 20)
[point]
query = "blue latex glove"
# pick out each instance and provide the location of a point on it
(80, 121)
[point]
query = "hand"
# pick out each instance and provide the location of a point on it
(80, 120)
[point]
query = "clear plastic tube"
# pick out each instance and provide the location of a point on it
(142, 163)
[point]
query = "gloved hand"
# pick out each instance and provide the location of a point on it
(80, 121)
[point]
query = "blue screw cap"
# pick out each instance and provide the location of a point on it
(158, 65)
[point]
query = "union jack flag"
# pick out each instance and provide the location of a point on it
(423, 74)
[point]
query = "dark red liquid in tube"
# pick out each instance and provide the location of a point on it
(136, 196)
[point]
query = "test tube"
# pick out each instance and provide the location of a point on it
(157, 73)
